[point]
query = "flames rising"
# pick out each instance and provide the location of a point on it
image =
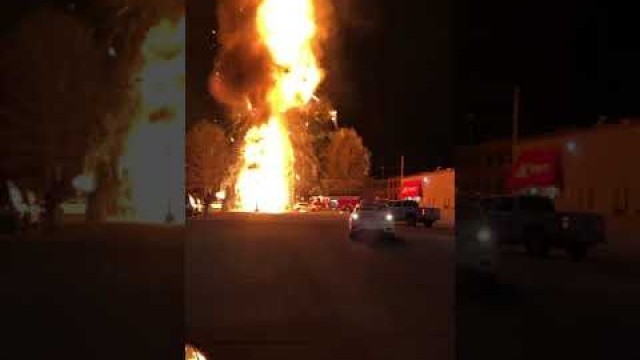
(191, 353)
(265, 183)
(288, 30)
(152, 162)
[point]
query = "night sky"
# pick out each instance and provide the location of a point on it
(574, 60)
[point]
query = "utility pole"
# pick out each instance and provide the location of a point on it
(515, 120)
(401, 175)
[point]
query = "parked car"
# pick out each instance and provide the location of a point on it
(74, 206)
(345, 203)
(302, 207)
(372, 217)
(534, 222)
(216, 205)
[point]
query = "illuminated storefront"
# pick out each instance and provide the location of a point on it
(584, 170)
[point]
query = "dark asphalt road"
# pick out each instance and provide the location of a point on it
(93, 292)
(551, 309)
(284, 287)
(295, 287)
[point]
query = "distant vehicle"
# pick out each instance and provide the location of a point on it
(534, 222)
(302, 207)
(346, 203)
(371, 217)
(320, 203)
(410, 212)
(12, 208)
(216, 205)
(476, 247)
(74, 206)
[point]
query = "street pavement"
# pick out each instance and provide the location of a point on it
(551, 309)
(251, 286)
(295, 286)
(93, 292)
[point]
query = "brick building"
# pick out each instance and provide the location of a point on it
(585, 170)
(430, 189)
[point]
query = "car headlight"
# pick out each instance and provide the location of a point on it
(354, 216)
(389, 217)
(484, 235)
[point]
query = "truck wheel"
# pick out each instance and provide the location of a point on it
(353, 236)
(412, 221)
(428, 223)
(578, 252)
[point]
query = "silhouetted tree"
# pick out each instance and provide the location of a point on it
(208, 156)
(346, 161)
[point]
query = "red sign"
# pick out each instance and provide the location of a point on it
(536, 168)
(411, 189)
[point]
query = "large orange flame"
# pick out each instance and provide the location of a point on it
(287, 28)
(154, 148)
(191, 353)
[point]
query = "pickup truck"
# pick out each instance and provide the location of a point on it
(411, 212)
(534, 222)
